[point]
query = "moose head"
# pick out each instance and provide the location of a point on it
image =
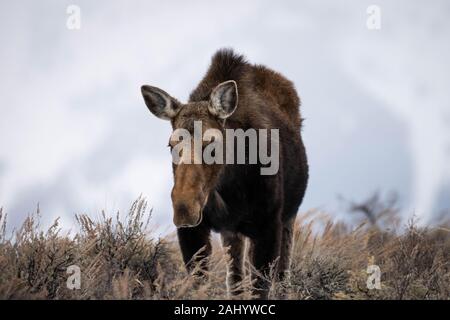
(193, 179)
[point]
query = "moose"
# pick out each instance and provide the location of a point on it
(235, 199)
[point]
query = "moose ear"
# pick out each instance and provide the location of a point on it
(160, 103)
(224, 99)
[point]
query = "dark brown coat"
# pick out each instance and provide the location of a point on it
(240, 202)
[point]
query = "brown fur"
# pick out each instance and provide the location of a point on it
(237, 200)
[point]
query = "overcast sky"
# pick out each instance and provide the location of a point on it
(76, 137)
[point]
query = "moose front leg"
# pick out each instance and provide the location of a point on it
(264, 252)
(195, 245)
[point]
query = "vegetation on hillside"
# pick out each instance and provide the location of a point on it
(119, 259)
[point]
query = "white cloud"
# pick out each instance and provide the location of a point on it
(402, 65)
(75, 134)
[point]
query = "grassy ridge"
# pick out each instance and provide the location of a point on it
(119, 259)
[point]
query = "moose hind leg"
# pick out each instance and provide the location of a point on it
(235, 242)
(286, 248)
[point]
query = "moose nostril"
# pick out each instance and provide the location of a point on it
(182, 210)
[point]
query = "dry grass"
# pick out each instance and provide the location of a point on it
(119, 259)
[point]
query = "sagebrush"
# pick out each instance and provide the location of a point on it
(119, 259)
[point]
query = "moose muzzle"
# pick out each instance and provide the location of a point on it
(187, 214)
